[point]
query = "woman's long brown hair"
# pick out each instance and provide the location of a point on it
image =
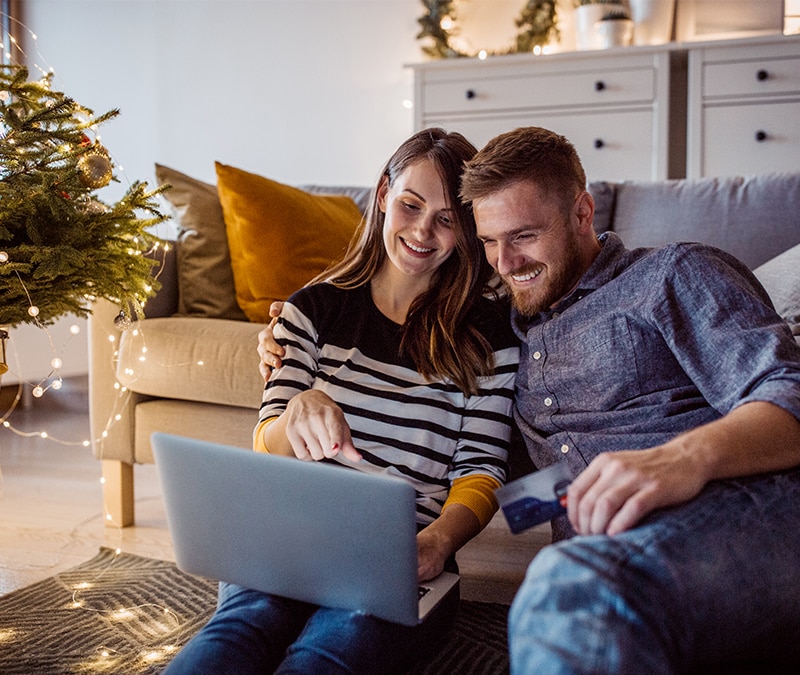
(437, 334)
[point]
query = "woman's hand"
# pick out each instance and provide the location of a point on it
(442, 538)
(316, 428)
(269, 351)
(431, 555)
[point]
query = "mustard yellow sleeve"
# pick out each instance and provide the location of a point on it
(476, 492)
(258, 435)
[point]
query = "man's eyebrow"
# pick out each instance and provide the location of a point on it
(510, 233)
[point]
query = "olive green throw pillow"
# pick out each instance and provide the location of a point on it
(279, 236)
(205, 279)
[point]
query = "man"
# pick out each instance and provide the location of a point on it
(670, 387)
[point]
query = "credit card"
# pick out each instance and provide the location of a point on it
(535, 498)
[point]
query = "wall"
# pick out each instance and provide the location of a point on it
(299, 90)
(302, 91)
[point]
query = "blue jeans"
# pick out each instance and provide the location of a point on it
(253, 632)
(713, 581)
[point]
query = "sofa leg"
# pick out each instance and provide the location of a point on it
(117, 493)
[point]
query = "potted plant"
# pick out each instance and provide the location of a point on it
(587, 14)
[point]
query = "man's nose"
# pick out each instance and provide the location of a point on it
(507, 261)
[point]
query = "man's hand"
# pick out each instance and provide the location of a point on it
(618, 489)
(269, 351)
(316, 428)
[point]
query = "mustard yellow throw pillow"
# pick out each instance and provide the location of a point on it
(280, 237)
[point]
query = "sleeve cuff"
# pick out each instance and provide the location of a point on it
(258, 435)
(476, 492)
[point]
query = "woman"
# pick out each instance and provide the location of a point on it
(394, 363)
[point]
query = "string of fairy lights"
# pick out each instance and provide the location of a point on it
(159, 619)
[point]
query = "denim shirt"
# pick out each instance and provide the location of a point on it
(651, 343)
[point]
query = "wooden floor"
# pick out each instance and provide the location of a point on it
(51, 507)
(50, 494)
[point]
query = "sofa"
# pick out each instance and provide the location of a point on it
(191, 368)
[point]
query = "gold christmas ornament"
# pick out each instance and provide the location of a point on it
(3, 362)
(95, 170)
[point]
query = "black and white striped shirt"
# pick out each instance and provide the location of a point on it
(428, 432)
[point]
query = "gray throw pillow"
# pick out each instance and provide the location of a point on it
(781, 278)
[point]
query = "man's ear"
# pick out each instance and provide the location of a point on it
(584, 210)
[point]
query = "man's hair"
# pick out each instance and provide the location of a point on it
(529, 154)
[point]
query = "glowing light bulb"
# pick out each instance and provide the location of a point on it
(56, 363)
(57, 384)
(38, 392)
(33, 310)
(3, 256)
(74, 329)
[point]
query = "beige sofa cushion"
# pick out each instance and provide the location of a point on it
(198, 359)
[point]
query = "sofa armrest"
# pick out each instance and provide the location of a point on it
(110, 407)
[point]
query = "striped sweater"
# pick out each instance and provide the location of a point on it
(427, 432)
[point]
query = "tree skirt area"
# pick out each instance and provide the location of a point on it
(122, 613)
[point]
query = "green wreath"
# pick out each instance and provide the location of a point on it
(537, 24)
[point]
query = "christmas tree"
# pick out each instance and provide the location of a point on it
(61, 246)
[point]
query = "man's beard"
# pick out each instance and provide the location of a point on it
(547, 292)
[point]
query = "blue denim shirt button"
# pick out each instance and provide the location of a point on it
(537, 355)
(548, 401)
(565, 448)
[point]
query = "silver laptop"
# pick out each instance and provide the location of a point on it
(320, 533)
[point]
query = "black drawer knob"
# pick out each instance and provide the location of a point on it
(599, 85)
(470, 94)
(762, 75)
(761, 136)
(599, 143)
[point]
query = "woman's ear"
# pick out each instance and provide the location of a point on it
(382, 191)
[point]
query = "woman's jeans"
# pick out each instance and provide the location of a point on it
(252, 632)
(715, 580)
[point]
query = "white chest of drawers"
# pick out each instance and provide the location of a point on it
(623, 109)
(744, 107)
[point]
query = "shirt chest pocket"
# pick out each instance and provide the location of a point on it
(592, 367)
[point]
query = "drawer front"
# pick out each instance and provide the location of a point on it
(757, 138)
(752, 78)
(612, 146)
(590, 88)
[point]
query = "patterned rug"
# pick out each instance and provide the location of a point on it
(128, 614)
